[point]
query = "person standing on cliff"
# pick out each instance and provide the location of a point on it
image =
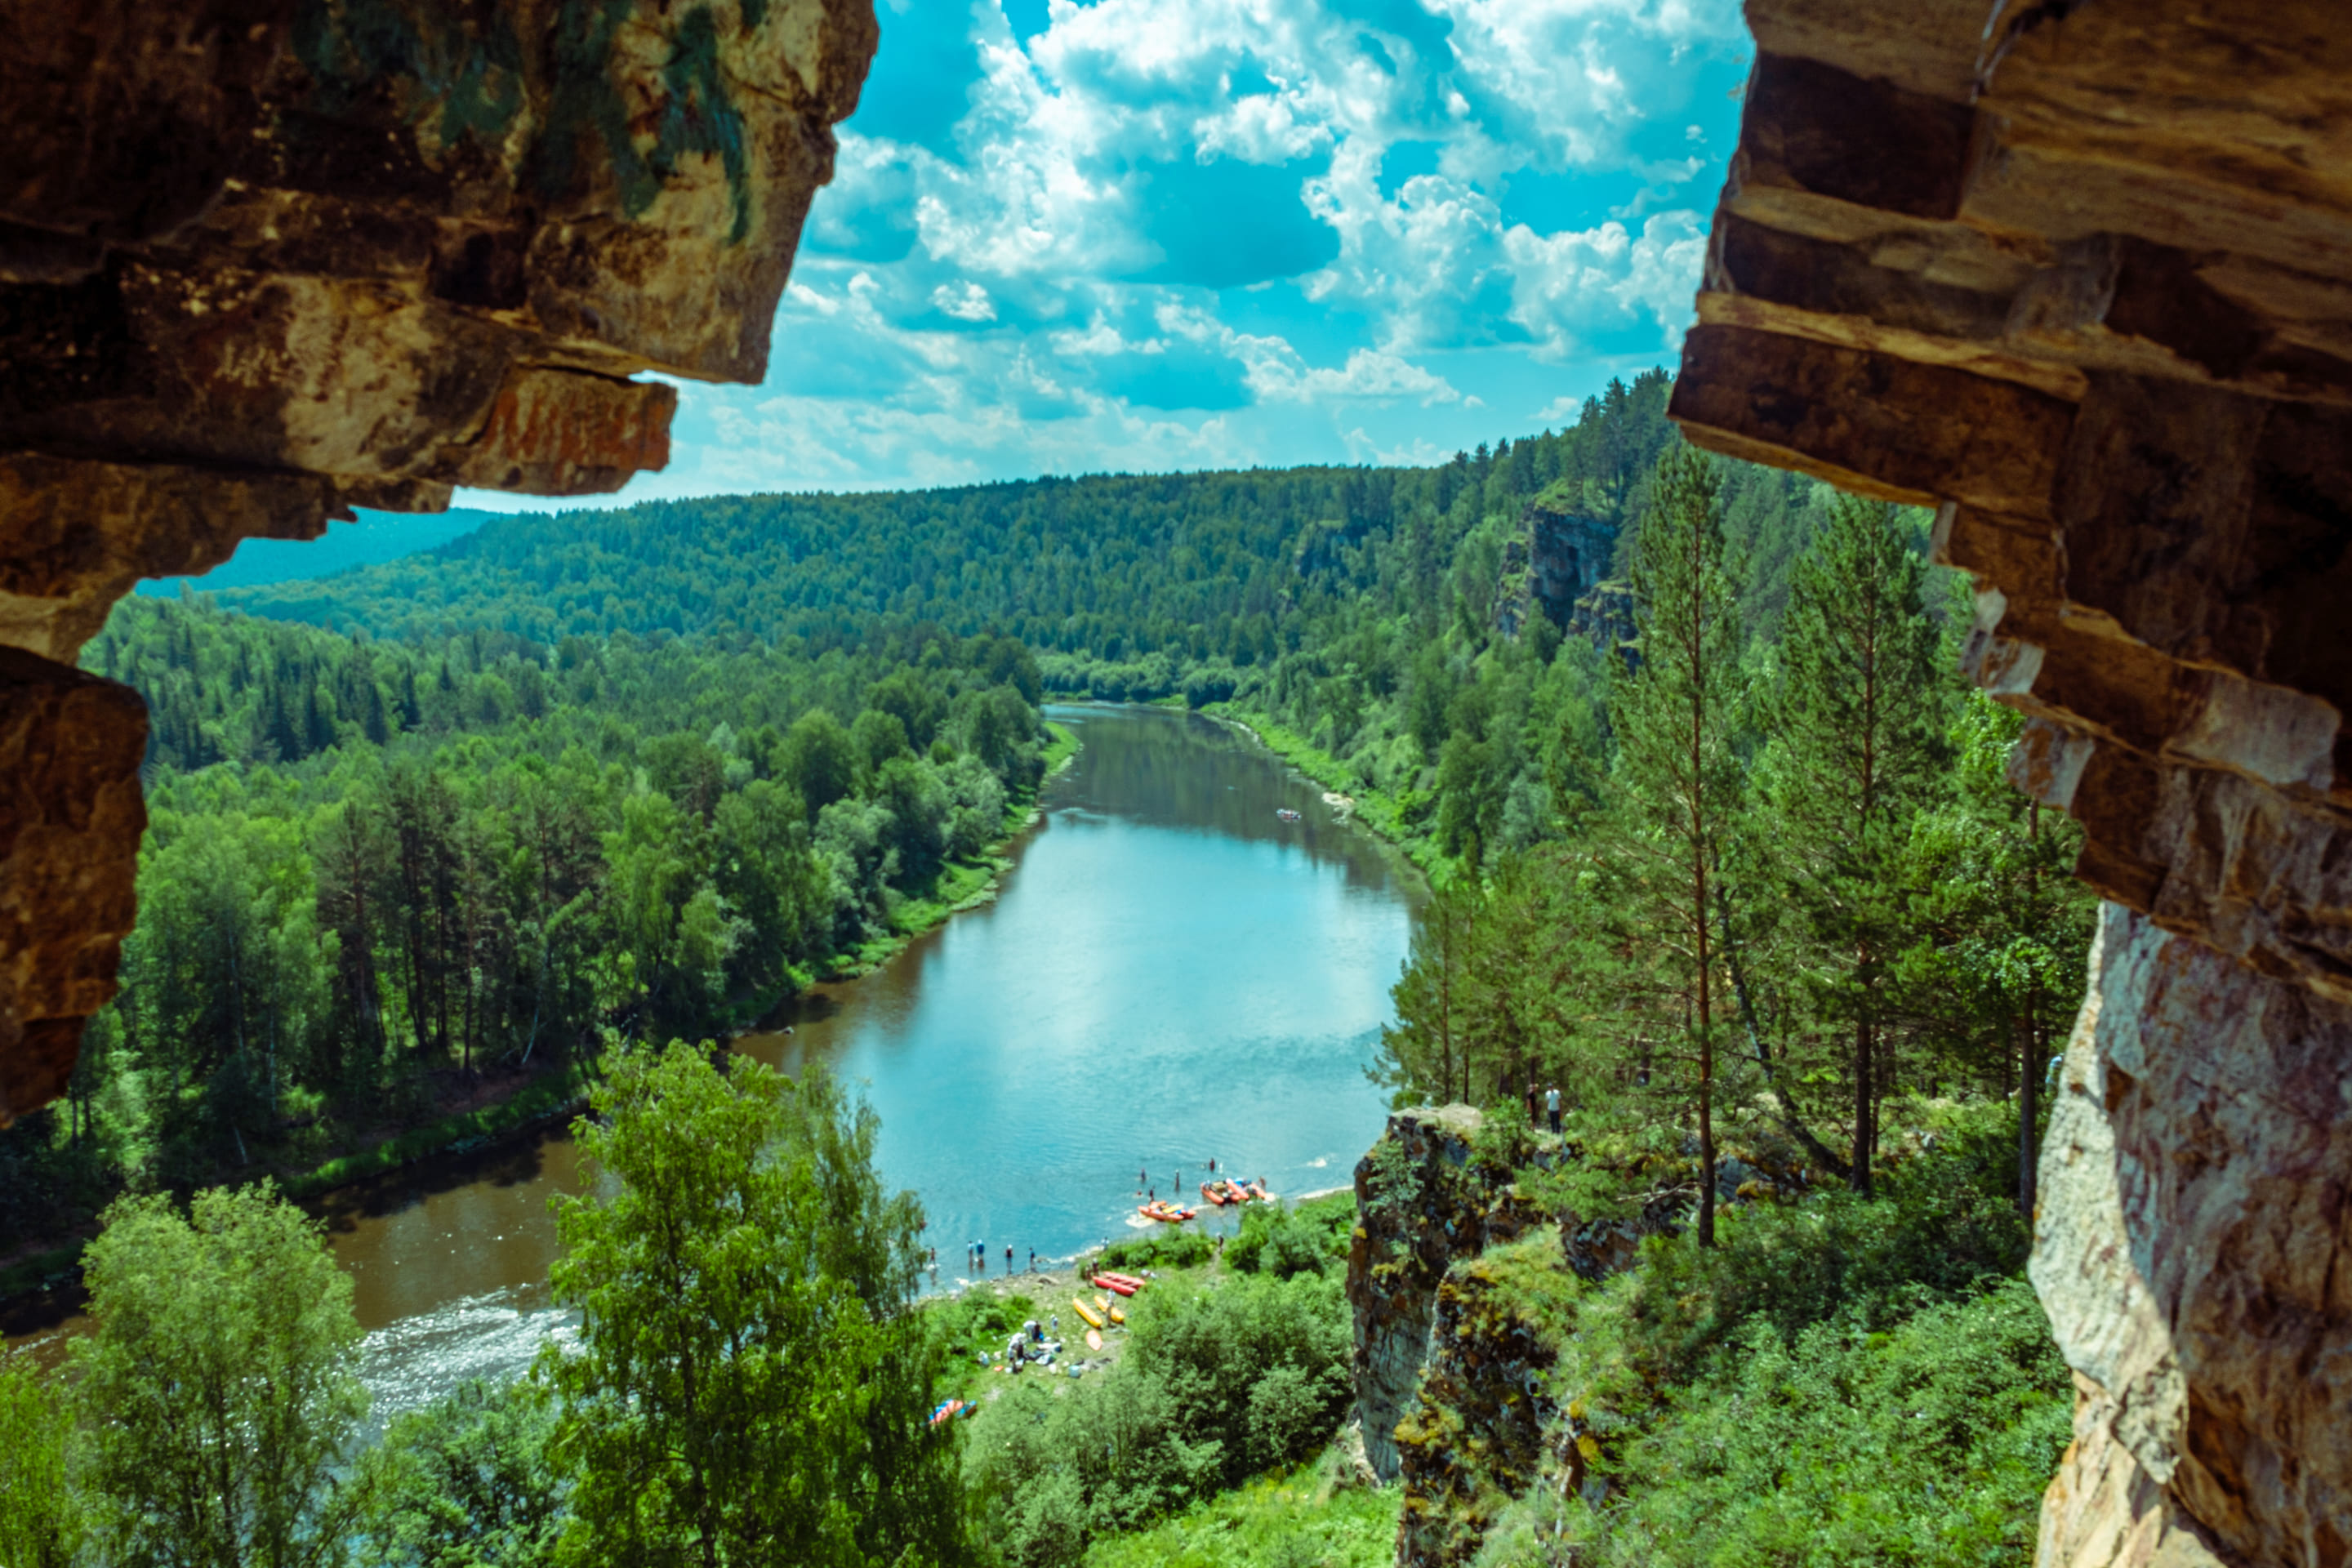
(1551, 1106)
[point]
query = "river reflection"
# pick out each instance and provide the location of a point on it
(1173, 972)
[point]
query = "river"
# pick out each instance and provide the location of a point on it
(1172, 972)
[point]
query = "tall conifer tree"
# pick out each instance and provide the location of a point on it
(1854, 742)
(1676, 717)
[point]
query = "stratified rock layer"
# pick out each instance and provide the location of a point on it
(263, 260)
(70, 816)
(2080, 276)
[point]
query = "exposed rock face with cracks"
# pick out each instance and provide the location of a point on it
(264, 261)
(1420, 1204)
(2080, 276)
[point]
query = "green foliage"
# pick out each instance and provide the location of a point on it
(1216, 1384)
(1855, 723)
(1288, 1240)
(1928, 1443)
(40, 1513)
(1944, 1227)
(1851, 1379)
(1290, 1520)
(466, 1483)
(751, 1380)
(1162, 1247)
(338, 938)
(219, 1390)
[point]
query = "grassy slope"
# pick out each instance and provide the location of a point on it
(1284, 1520)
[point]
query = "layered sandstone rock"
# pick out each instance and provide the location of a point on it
(263, 260)
(70, 816)
(2081, 277)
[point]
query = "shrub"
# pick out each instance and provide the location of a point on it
(1284, 1242)
(1943, 1227)
(1164, 1247)
(1930, 1444)
(1216, 1384)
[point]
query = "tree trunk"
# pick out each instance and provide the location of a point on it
(1865, 1090)
(2029, 1062)
(2029, 1085)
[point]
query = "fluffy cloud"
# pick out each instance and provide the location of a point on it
(1168, 233)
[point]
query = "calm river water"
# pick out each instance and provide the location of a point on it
(1172, 973)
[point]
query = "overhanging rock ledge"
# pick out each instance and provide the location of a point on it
(264, 261)
(2080, 276)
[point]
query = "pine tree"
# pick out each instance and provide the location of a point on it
(1679, 778)
(1854, 741)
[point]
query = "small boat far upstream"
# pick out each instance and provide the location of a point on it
(1286, 815)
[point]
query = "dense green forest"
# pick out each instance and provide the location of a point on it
(380, 876)
(1736, 872)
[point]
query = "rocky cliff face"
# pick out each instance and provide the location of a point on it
(1420, 1204)
(2081, 277)
(1483, 1429)
(1557, 559)
(262, 260)
(2194, 1249)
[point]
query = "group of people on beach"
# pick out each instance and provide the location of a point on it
(976, 1258)
(975, 1253)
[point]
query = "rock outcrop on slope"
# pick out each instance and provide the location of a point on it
(1422, 1204)
(263, 261)
(1484, 1428)
(1557, 559)
(2080, 276)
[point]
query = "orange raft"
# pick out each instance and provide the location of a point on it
(1165, 1212)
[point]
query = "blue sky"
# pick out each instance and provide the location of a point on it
(1140, 234)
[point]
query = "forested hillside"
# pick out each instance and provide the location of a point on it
(381, 877)
(1724, 856)
(1357, 607)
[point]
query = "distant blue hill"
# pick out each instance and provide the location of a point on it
(375, 538)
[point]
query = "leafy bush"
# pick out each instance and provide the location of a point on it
(1286, 1521)
(1930, 1444)
(1307, 1238)
(1162, 1247)
(468, 1481)
(978, 1320)
(1216, 1384)
(1844, 1381)
(1943, 1227)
